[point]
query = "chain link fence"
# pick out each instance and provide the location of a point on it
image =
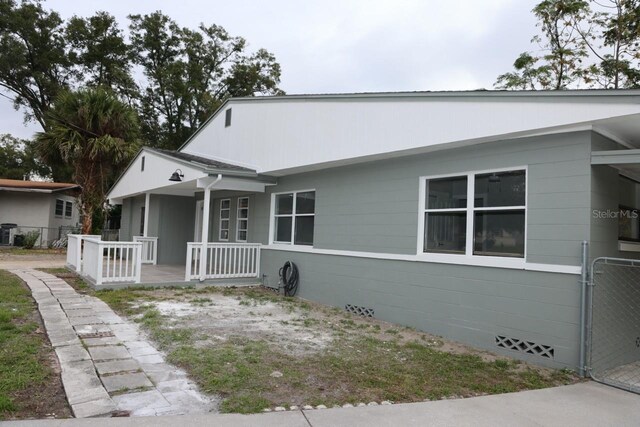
(614, 339)
(46, 236)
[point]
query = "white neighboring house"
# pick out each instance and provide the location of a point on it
(46, 207)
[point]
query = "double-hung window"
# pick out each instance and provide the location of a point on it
(294, 217)
(59, 207)
(68, 209)
(242, 219)
(481, 214)
(225, 210)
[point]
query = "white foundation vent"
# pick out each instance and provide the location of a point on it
(523, 346)
(360, 311)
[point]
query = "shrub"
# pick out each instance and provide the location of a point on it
(30, 239)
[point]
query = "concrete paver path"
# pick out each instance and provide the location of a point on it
(107, 365)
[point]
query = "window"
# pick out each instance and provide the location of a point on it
(227, 118)
(294, 215)
(476, 214)
(68, 209)
(59, 207)
(225, 210)
(142, 164)
(242, 220)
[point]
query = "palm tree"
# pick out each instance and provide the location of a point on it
(96, 135)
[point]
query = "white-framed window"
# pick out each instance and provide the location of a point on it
(59, 208)
(242, 219)
(68, 209)
(474, 214)
(225, 210)
(293, 217)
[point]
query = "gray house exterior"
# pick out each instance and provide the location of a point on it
(479, 241)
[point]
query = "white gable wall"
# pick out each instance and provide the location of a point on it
(279, 135)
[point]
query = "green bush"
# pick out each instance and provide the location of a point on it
(30, 239)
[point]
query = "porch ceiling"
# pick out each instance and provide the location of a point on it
(626, 161)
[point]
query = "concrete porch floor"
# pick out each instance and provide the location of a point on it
(162, 273)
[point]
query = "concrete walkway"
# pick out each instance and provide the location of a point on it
(584, 404)
(107, 365)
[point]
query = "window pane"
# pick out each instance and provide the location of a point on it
(224, 213)
(224, 234)
(447, 193)
(59, 207)
(242, 235)
(445, 232)
(243, 202)
(242, 224)
(68, 209)
(304, 230)
(284, 204)
(243, 213)
(500, 189)
(224, 224)
(283, 229)
(499, 233)
(224, 204)
(306, 202)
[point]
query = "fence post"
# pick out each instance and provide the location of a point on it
(99, 269)
(138, 249)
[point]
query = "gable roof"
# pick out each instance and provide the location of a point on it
(200, 161)
(36, 186)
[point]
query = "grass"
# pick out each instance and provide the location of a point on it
(33, 251)
(24, 366)
(365, 362)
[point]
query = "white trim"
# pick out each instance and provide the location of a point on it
(238, 219)
(220, 219)
(468, 257)
(476, 261)
(293, 215)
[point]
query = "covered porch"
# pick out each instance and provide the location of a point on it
(167, 229)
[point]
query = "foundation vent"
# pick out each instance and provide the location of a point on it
(360, 311)
(523, 346)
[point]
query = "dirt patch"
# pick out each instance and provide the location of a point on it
(219, 318)
(257, 350)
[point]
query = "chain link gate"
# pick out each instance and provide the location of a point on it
(614, 323)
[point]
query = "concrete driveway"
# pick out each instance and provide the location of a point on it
(584, 404)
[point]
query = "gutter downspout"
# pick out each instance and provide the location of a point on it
(205, 226)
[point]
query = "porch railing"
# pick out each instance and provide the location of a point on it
(223, 260)
(74, 249)
(111, 262)
(149, 249)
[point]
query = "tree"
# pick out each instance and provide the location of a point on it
(97, 134)
(597, 47)
(563, 46)
(34, 65)
(18, 160)
(190, 73)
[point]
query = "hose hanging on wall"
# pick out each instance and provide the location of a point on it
(289, 278)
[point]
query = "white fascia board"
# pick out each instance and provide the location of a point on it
(157, 170)
(282, 136)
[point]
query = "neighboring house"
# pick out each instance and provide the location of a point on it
(457, 213)
(46, 207)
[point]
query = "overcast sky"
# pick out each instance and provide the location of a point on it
(348, 45)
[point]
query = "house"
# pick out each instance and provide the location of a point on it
(464, 214)
(48, 208)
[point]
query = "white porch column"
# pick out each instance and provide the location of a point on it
(147, 199)
(205, 227)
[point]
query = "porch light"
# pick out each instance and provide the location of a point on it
(177, 176)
